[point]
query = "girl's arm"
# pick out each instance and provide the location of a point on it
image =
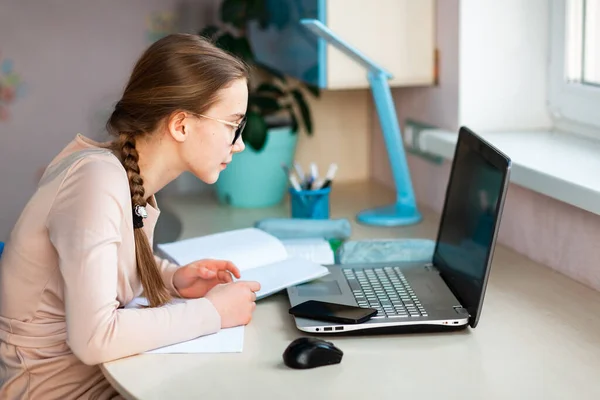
(84, 226)
(167, 270)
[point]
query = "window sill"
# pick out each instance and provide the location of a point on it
(558, 165)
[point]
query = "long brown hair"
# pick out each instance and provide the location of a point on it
(179, 72)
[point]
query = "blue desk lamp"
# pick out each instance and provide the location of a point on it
(404, 211)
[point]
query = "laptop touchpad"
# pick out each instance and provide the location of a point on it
(319, 288)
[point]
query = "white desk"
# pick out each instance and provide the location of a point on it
(538, 337)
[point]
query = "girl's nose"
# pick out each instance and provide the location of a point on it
(239, 145)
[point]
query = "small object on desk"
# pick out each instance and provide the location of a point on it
(293, 228)
(312, 204)
(318, 184)
(335, 244)
(315, 249)
(291, 178)
(286, 170)
(386, 250)
(295, 183)
(329, 177)
(314, 175)
(332, 312)
(306, 352)
(299, 172)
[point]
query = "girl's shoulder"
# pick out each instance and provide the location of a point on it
(87, 154)
(98, 160)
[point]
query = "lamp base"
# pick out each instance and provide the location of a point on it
(391, 215)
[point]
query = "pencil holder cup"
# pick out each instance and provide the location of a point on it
(311, 204)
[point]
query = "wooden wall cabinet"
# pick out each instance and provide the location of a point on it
(397, 34)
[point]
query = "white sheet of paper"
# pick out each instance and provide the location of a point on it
(280, 275)
(314, 249)
(230, 340)
(246, 248)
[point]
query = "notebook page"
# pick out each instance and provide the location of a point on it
(283, 274)
(230, 340)
(314, 249)
(246, 248)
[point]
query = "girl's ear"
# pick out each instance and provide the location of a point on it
(176, 125)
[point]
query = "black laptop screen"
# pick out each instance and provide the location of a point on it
(467, 229)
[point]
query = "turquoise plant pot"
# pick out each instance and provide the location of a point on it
(256, 179)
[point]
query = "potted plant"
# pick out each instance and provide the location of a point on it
(277, 111)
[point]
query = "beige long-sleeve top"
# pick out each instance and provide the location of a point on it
(66, 273)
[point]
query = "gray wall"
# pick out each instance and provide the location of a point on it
(73, 59)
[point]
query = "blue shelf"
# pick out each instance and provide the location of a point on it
(287, 46)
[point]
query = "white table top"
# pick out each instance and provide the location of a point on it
(538, 337)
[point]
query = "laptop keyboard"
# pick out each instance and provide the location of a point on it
(386, 290)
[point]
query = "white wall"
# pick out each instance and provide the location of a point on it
(503, 74)
(74, 58)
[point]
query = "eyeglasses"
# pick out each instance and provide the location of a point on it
(238, 127)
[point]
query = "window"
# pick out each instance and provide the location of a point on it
(574, 95)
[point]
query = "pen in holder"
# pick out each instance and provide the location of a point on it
(312, 204)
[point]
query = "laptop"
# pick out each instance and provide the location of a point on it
(446, 293)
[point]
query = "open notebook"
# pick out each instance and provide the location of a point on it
(259, 256)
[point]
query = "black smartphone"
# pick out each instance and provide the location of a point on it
(331, 312)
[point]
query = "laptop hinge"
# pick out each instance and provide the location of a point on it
(461, 310)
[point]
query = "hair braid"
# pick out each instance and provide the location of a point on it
(130, 162)
(154, 287)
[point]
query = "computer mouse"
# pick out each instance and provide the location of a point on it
(306, 352)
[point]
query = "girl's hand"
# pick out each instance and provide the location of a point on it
(235, 303)
(196, 279)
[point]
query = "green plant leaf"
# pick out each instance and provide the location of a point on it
(263, 104)
(314, 89)
(209, 32)
(255, 132)
(239, 46)
(293, 118)
(243, 49)
(270, 88)
(304, 110)
(226, 42)
(234, 12)
(259, 11)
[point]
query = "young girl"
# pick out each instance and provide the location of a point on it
(82, 249)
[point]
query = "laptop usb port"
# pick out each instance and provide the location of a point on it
(339, 328)
(328, 328)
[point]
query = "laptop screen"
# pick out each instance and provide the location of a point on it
(472, 209)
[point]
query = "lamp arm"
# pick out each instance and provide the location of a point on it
(386, 111)
(404, 211)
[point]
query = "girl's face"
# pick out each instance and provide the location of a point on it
(208, 147)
